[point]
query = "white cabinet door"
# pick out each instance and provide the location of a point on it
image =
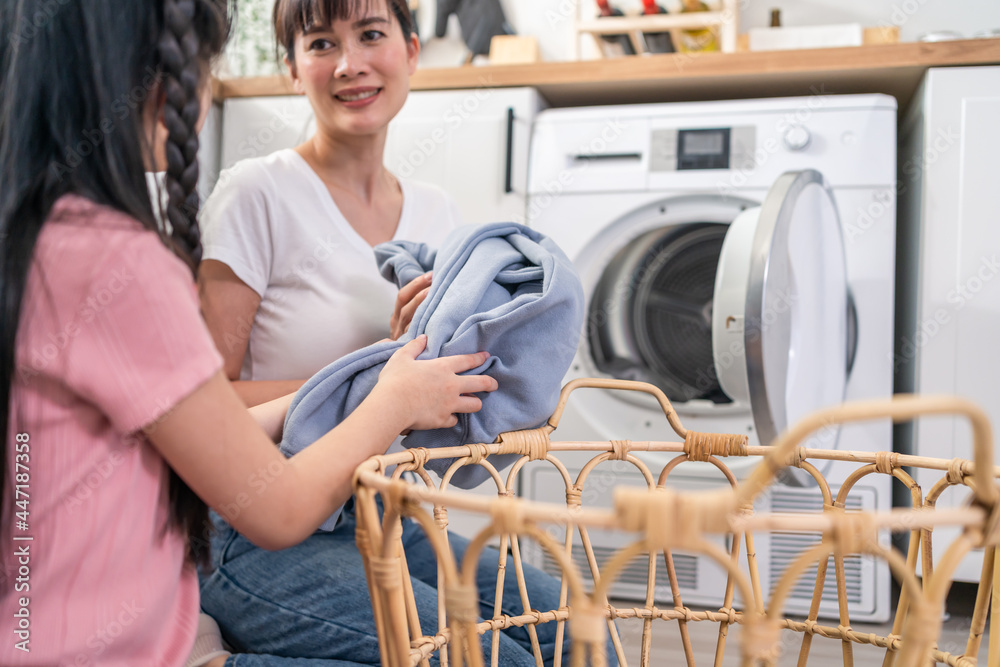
(472, 143)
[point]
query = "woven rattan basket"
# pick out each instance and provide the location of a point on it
(664, 520)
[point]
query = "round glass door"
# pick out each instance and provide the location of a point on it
(651, 312)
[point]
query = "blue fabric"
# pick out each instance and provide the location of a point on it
(501, 288)
(309, 605)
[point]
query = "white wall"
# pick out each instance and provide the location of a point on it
(551, 21)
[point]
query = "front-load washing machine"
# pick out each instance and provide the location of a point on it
(740, 256)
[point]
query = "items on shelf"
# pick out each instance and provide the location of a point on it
(697, 28)
(621, 44)
(656, 42)
(480, 21)
(703, 39)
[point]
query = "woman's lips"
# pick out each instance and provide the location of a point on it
(357, 97)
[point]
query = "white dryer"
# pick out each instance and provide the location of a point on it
(740, 256)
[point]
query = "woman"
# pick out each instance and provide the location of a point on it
(289, 282)
(118, 424)
(289, 259)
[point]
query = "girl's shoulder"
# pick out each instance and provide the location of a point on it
(82, 237)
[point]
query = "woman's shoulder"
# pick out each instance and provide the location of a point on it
(265, 173)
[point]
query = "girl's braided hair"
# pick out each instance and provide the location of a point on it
(193, 32)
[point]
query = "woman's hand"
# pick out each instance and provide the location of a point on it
(410, 296)
(429, 392)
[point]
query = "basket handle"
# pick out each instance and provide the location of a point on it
(902, 407)
(624, 385)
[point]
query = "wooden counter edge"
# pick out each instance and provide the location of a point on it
(866, 60)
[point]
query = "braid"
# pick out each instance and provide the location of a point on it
(193, 31)
(178, 49)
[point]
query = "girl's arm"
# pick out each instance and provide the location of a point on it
(229, 307)
(215, 445)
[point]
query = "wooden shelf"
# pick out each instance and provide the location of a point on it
(894, 69)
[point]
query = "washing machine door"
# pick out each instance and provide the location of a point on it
(781, 305)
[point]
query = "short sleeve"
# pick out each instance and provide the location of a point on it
(236, 224)
(140, 345)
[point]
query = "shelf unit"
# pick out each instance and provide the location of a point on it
(725, 20)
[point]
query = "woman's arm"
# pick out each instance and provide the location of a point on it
(215, 445)
(270, 416)
(229, 307)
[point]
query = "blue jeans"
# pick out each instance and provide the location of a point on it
(309, 605)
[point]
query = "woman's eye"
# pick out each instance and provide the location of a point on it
(320, 44)
(372, 35)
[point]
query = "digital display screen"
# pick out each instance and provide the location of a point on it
(704, 143)
(704, 148)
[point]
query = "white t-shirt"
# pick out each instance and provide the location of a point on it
(273, 222)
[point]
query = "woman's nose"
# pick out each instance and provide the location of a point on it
(351, 62)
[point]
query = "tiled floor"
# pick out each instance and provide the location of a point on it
(666, 647)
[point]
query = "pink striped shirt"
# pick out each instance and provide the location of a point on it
(110, 340)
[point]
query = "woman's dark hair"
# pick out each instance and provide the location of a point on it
(75, 78)
(292, 17)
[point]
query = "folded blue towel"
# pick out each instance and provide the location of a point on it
(500, 288)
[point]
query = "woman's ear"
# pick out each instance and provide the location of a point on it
(413, 52)
(294, 75)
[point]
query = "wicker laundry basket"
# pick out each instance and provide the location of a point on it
(665, 520)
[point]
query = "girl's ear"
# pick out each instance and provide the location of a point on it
(293, 73)
(156, 129)
(412, 52)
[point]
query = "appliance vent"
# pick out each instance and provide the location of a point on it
(786, 547)
(635, 573)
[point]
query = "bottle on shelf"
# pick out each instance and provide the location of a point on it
(622, 42)
(656, 42)
(775, 18)
(699, 39)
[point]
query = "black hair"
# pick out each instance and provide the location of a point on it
(292, 17)
(75, 77)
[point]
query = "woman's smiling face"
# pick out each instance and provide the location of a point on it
(355, 71)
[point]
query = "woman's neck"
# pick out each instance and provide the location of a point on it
(352, 163)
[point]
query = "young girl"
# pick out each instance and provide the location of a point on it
(118, 424)
(290, 284)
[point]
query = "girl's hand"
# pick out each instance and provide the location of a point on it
(410, 296)
(429, 392)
